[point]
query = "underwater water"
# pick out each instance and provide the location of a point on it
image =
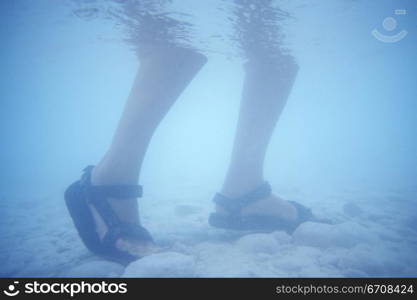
(345, 145)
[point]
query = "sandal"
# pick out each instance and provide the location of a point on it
(80, 194)
(233, 219)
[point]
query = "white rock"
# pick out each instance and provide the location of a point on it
(167, 264)
(311, 271)
(282, 237)
(374, 260)
(258, 243)
(296, 259)
(331, 257)
(96, 269)
(306, 251)
(12, 264)
(351, 209)
(409, 272)
(224, 260)
(354, 273)
(293, 263)
(365, 259)
(323, 235)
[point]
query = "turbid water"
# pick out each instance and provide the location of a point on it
(345, 144)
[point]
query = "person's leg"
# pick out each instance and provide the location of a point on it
(265, 92)
(161, 78)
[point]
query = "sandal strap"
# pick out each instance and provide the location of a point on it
(234, 205)
(117, 191)
(97, 196)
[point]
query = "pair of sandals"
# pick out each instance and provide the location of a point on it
(82, 193)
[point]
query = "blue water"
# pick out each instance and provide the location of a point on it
(345, 145)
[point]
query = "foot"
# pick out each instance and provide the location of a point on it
(127, 211)
(269, 206)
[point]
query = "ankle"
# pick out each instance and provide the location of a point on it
(238, 189)
(105, 176)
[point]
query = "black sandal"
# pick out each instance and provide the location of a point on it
(233, 219)
(81, 193)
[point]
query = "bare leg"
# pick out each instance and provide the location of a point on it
(161, 78)
(265, 92)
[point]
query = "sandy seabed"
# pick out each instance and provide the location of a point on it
(375, 235)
